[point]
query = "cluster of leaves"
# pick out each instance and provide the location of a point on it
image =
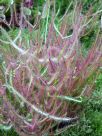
(90, 124)
(44, 78)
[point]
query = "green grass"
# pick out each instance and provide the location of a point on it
(8, 133)
(90, 123)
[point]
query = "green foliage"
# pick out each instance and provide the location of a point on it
(5, 127)
(94, 3)
(27, 11)
(8, 133)
(90, 123)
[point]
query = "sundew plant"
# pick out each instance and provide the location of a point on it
(44, 73)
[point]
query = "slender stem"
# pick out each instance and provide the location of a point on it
(66, 119)
(12, 42)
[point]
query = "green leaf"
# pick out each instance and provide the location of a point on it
(43, 71)
(46, 9)
(69, 98)
(27, 11)
(5, 127)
